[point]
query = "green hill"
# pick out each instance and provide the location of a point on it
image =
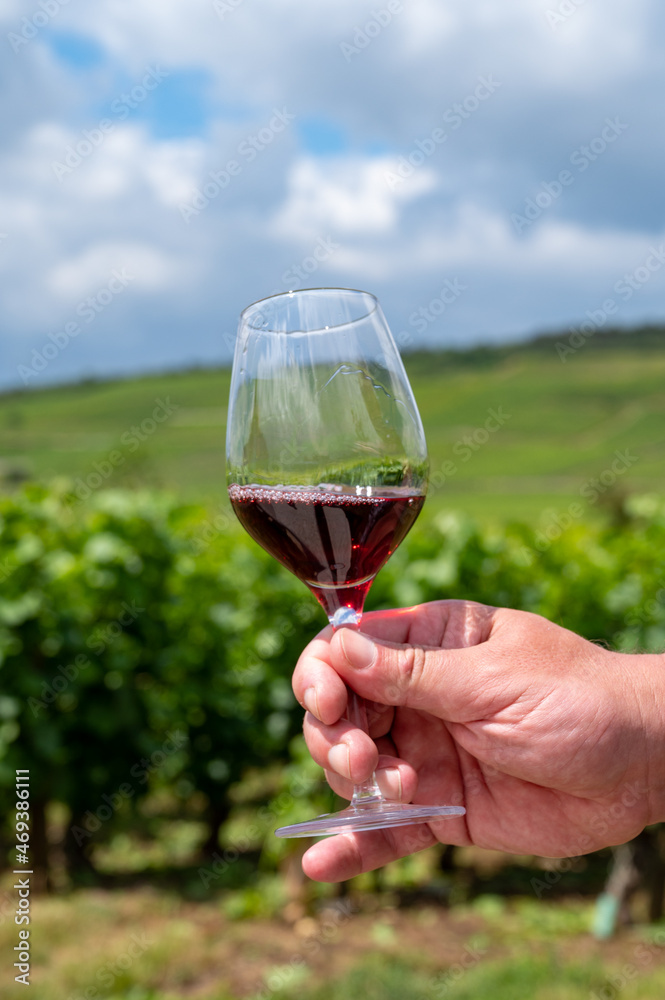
(512, 431)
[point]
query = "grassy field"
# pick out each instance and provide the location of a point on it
(149, 944)
(511, 432)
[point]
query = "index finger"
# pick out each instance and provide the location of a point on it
(316, 685)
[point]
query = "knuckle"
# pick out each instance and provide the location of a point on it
(411, 666)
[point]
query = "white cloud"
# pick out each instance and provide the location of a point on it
(172, 168)
(427, 26)
(128, 158)
(146, 268)
(348, 195)
(474, 239)
(120, 205)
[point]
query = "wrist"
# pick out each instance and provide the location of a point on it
(646, 674)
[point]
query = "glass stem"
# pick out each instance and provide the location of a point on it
(367, 793)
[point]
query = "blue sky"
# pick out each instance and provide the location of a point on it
(164, 164)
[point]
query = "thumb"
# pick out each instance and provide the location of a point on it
(434, 680)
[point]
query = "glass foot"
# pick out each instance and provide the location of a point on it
(355, 819)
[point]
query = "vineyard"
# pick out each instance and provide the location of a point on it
(146, 650)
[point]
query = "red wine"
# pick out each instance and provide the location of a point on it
(333, 541)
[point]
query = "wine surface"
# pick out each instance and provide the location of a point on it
(334, 541)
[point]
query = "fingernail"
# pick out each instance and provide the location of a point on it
(359, 650)
(338, 758)
(389, 781)
(311, 702)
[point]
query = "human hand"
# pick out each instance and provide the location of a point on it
(553, 744)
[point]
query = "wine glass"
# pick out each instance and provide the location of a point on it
(327, 470)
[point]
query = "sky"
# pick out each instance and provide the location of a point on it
(489, 170)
